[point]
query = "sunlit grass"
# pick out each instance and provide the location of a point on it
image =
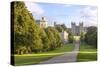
(27, 59)
(87, 53)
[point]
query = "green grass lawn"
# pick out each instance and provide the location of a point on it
(87, 53)
(27, 59)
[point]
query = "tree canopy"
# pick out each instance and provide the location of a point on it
(91, 36)
(28, 36)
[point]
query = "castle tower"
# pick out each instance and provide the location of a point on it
(77, 29)
(73, 25)
(43, 23)
(43, 18)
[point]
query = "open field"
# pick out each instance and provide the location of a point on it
(87, 53)
(27, 59)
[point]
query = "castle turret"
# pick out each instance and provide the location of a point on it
(77, 29)
(43, 22)
(73, 27)
(43, 18)
(81, 27)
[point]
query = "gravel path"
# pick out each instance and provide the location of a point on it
(67, 57)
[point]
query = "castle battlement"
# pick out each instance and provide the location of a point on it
(77, 29)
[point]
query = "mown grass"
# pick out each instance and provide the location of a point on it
(27, 59)
(87, 53)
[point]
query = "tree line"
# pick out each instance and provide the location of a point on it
(28, 36)
(90, 37)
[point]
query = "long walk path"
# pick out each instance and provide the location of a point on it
(67, 57)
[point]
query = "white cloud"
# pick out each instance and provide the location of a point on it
(89, 14)
(68, 5)
(34, 8)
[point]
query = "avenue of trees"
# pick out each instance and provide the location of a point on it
(90, 37)
(28, 36)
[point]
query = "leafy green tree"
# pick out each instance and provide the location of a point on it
(28, 36)
(53, 37)
(57, 37)
(26, 31)
(59, 28)
(45, 40)
(70, 38)
(50, 38)
(82, 36)
(91, 36)
(64, 27)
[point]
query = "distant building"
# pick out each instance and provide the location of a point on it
(64, 36)
(77, 29)
(43, 22)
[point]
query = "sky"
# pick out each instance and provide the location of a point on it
(64, 13)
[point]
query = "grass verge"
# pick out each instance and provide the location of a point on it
(87, 53)
(28, 59)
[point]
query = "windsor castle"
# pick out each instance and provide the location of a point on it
(76, 30)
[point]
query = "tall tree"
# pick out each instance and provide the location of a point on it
(70, 38)
(26, 31)
(91, 36)
(53, 37)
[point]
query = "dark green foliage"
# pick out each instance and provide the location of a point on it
(26, 31)
(70, 38)
(28, 36)
(91, 36)
(60, 28)
(82, 37)
(64, 27)
(45, 40)
(53, 38)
